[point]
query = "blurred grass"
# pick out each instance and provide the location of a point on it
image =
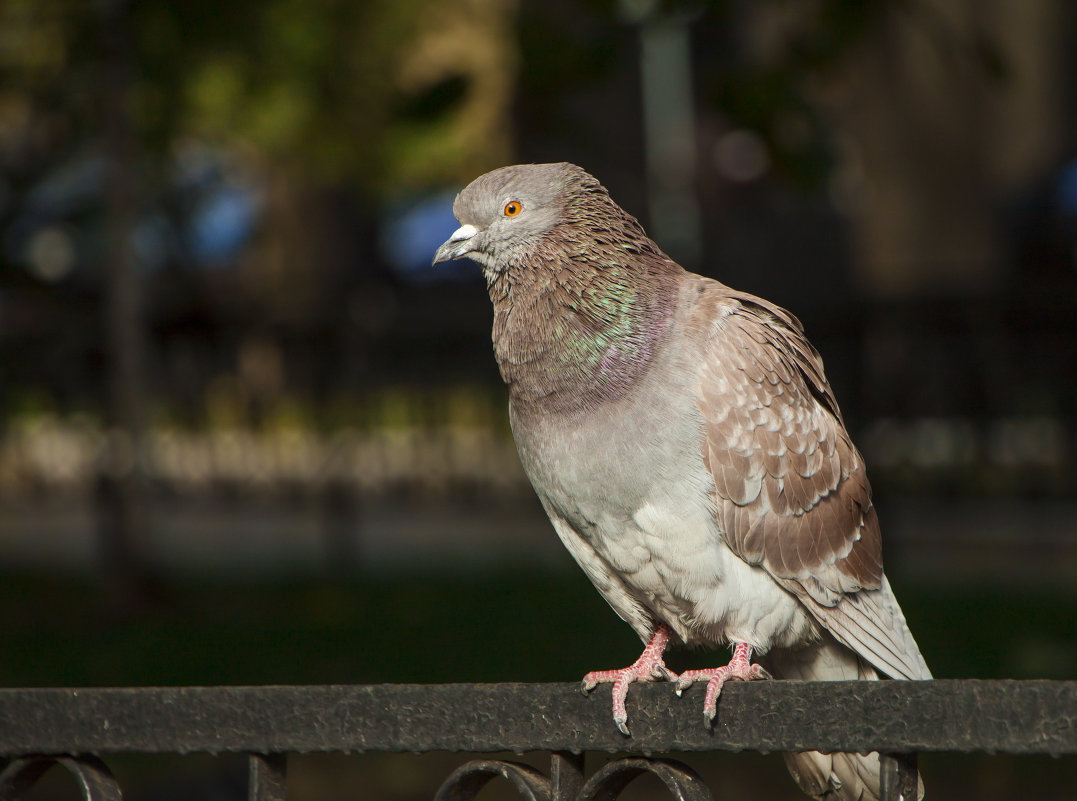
(519, 627)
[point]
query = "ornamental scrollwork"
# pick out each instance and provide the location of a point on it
(683, 783)
(95, 780)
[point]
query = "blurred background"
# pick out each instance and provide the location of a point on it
(248, 435)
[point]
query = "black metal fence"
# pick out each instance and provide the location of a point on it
(74, 728)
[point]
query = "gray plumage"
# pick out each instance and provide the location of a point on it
(685, 443)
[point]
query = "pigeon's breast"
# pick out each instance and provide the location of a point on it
(605, 463)
(633, 501)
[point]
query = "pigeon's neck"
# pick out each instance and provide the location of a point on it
(568, 336)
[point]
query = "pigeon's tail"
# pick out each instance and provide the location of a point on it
(830, 777)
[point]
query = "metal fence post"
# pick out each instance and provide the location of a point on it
(267, 776)
(566, 775)
(898, 777)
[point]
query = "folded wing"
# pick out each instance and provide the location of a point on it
(791, 490)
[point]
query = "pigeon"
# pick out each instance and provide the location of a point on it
(688, 449)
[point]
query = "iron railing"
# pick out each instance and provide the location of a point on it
(75, 728)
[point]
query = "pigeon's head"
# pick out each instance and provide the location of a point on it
(505, 213)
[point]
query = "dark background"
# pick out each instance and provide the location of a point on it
(248, 436)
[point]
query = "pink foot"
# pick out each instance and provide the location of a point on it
(649, 667)
(740, 667)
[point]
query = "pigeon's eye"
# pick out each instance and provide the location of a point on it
(512, 208)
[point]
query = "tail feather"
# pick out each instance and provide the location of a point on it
(871, 623)
(830, 777)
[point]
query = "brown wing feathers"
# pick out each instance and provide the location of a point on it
(792, 493)
(791, 487)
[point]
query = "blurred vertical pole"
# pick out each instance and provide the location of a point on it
(668, 127)
(121, 516)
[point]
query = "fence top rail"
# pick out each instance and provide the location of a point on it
(1018, 717)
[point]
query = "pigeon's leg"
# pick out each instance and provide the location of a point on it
(740, 667)
(648, 667)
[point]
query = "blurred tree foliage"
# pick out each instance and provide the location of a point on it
(390, 95)
(771, 65)
(343, 109)
(380, 94)
(387, 97)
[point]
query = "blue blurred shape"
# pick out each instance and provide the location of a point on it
(411, 234)
(222, 223)
(1066, 189)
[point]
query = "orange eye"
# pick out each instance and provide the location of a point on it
(513, 207)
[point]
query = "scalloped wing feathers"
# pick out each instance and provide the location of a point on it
(791, 491)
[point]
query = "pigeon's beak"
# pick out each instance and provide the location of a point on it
(459, 244)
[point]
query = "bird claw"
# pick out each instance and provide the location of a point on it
(740, 668)
(621, 679)
(685, 680)
(663, 673)
(648, 667)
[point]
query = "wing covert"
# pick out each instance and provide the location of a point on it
(791, 490)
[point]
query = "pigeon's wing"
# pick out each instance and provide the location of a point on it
(791, 490)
